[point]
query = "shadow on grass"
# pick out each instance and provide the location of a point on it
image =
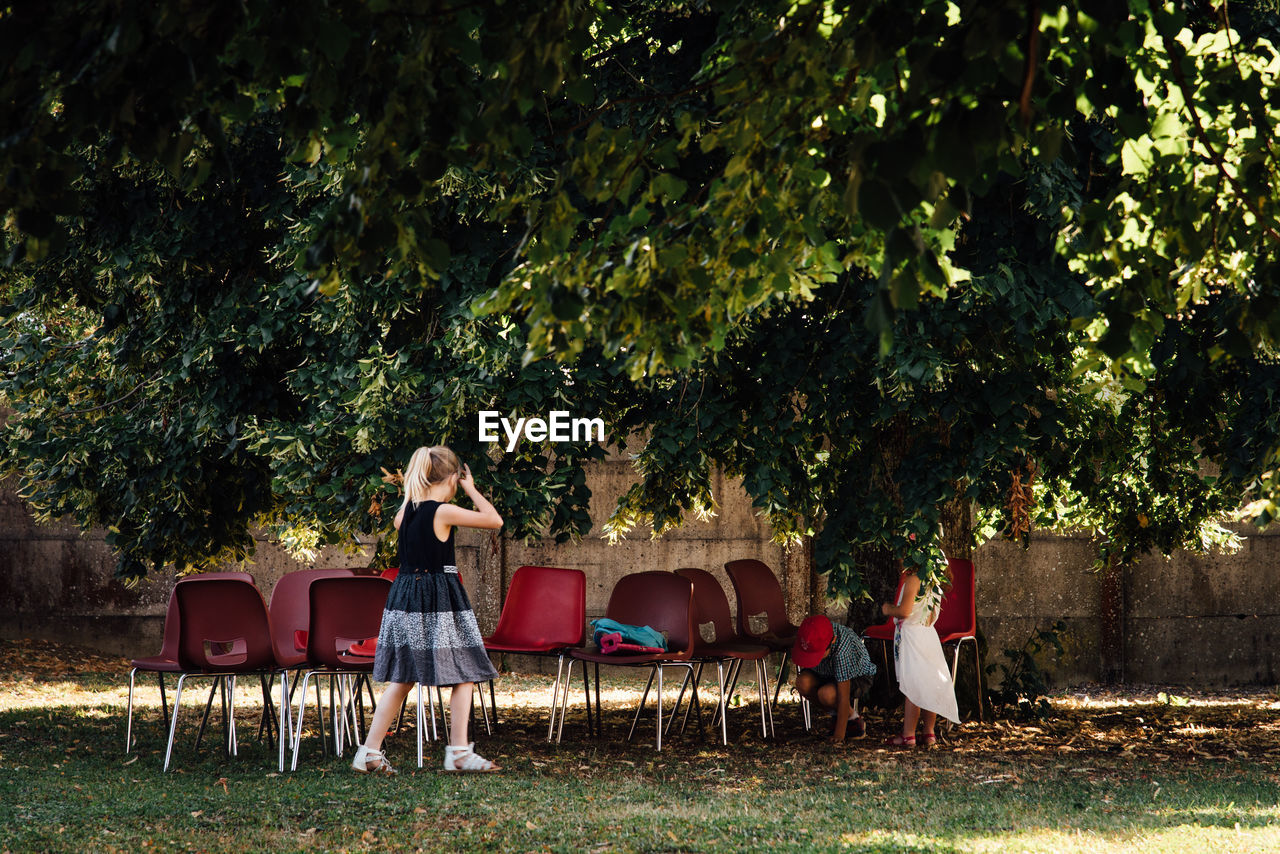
(66, 784)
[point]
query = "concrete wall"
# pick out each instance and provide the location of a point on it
(1191, 620)
(1206, 620)
(58, 583)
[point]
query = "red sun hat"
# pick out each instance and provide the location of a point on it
(815, 636)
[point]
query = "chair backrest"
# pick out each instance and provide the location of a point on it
(710, 604)
(758, 592)
(211, 576)
(169, 646)
(661, 600)
(290, 606)
(545, 609)
(344, 611)
(958, 614)
(220, 614)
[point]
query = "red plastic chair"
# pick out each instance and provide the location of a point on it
(884, 631)
(290, 609)
(225, 631)
(166, 661)
(342, 612)
(958, 619)
(661, 600)
(711, 608)
(759, 593)
(369, 646)
(545, 614)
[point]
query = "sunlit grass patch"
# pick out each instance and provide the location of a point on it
(1116, 778)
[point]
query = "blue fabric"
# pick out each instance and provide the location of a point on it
(641, 635)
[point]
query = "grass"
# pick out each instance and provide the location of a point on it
(1110, 774)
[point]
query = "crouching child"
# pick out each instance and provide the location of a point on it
(835, 673)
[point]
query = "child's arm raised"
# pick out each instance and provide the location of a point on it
(484, 516)
(910, 587)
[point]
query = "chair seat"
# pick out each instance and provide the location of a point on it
(355, 662)
(288, 662)
(952, 637)
(597, 657)
(365, 648)
(880, 631)
(496, 644)
(732, 649)
(776, 642)
(157, 663)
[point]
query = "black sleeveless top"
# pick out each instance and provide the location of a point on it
(420, 548)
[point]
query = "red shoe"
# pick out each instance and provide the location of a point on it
(901, 741)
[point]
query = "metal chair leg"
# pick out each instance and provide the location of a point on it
(302, 716)
(659, 708)
(675, 710)
(599, 716)
(285, 724)
(735, 668)
(232, 737)
(164, 708)
(422, 723)
(782, 674)
(724, 717)
(208, 707)
(977, 676)
(643, 699)
(483, 709)
(128, 727)
(555, 697)
(564, 699)
(173, 722)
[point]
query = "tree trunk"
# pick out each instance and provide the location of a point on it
(1111, 614)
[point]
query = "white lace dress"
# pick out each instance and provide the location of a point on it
(923, 675)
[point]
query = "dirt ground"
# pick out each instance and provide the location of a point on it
(1103, 722)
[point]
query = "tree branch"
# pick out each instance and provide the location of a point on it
(130, 393)
(1216, 156)
(1033, 57)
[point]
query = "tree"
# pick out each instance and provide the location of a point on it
(174, 380)
(794, 210)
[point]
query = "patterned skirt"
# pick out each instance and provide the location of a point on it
(429, 633)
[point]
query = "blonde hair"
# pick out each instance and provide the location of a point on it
(427, 467)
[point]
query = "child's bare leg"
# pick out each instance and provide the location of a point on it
(807, 685)
(388, 707)
(929, 719)
(910, 716)
(460, 713)
(827, 696)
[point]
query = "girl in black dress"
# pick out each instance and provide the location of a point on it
(429, 632)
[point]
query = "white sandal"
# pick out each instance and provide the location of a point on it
(466, 759)
(364, 755)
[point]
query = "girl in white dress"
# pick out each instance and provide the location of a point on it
(922, 670)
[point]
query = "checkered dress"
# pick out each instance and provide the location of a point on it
(848, 660)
